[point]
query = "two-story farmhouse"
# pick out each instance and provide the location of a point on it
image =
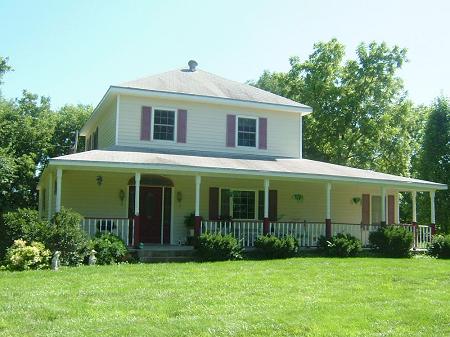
(187, 141)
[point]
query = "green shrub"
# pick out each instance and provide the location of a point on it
(21, 256)
(66, 235)
(392, 241)
(218, 247)
(272, 247)
(109, 247)
(440, 246)
(341, 245)
(22, 224)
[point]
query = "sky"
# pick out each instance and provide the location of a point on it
(73, 51)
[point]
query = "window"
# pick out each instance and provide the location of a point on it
(376, 209)
(246, 131)
(164, 125)
(244, 205)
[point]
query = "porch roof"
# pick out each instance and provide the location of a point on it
(199, 162)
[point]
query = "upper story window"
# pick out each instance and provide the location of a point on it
(246, 131)
(164, 124)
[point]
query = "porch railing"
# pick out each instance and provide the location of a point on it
(122, 227)
(307, 233)
(245, 231)
(422, 235)
(360, 232)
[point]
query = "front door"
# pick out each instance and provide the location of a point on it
(150, 214)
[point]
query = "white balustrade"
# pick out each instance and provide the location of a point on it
(122, 227)
(306, 233)
(245, 231)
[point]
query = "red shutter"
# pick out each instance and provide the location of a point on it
(391, 208)
(365, 209)
(146, 121)
(273, 205)
(231, 130)
(262, 133)
(181, 126)
(213, 203)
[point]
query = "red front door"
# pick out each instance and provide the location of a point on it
(151, 214)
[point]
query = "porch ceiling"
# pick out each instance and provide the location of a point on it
(221, 163)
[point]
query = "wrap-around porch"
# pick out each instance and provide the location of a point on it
(153, 205)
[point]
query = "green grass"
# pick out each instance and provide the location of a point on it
(294, 297)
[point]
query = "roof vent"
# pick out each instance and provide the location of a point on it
(192, 65)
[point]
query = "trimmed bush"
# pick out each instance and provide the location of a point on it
(392, 241)
(109, 247)
(340, 245)
(22, 224)
(21, 256)
(218, 247)
(272, 247)
(63, 233)
(440, 246)
(66, 235)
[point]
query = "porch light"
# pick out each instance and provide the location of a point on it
(179, 196)
(356, 200)
(121, 196)
(99, 180)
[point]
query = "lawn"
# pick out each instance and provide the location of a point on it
(294, 297)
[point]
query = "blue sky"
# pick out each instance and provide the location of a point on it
(73, 50)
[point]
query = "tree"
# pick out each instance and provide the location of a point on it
(69, 119)
(435, 161)
(361, 115)
(4, 67)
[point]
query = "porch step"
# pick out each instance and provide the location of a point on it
(164, 253)
(151, 259)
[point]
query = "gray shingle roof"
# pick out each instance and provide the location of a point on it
(202, 83)
(199, 161)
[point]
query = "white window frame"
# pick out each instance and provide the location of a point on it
(174, 129)
(232, 203)
(256, 133)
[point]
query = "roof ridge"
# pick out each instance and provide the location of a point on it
(207, 84)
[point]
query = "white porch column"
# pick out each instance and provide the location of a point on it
(383, 205)
(49, 193)
(414, 207)
(433, 210)
(328, 229)
(397, 208)
(40, 201)
(198, 219)
(58, 190)
(301, 137)
(137, 188)
(328, 201)
(266, 197)
(198, 180)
